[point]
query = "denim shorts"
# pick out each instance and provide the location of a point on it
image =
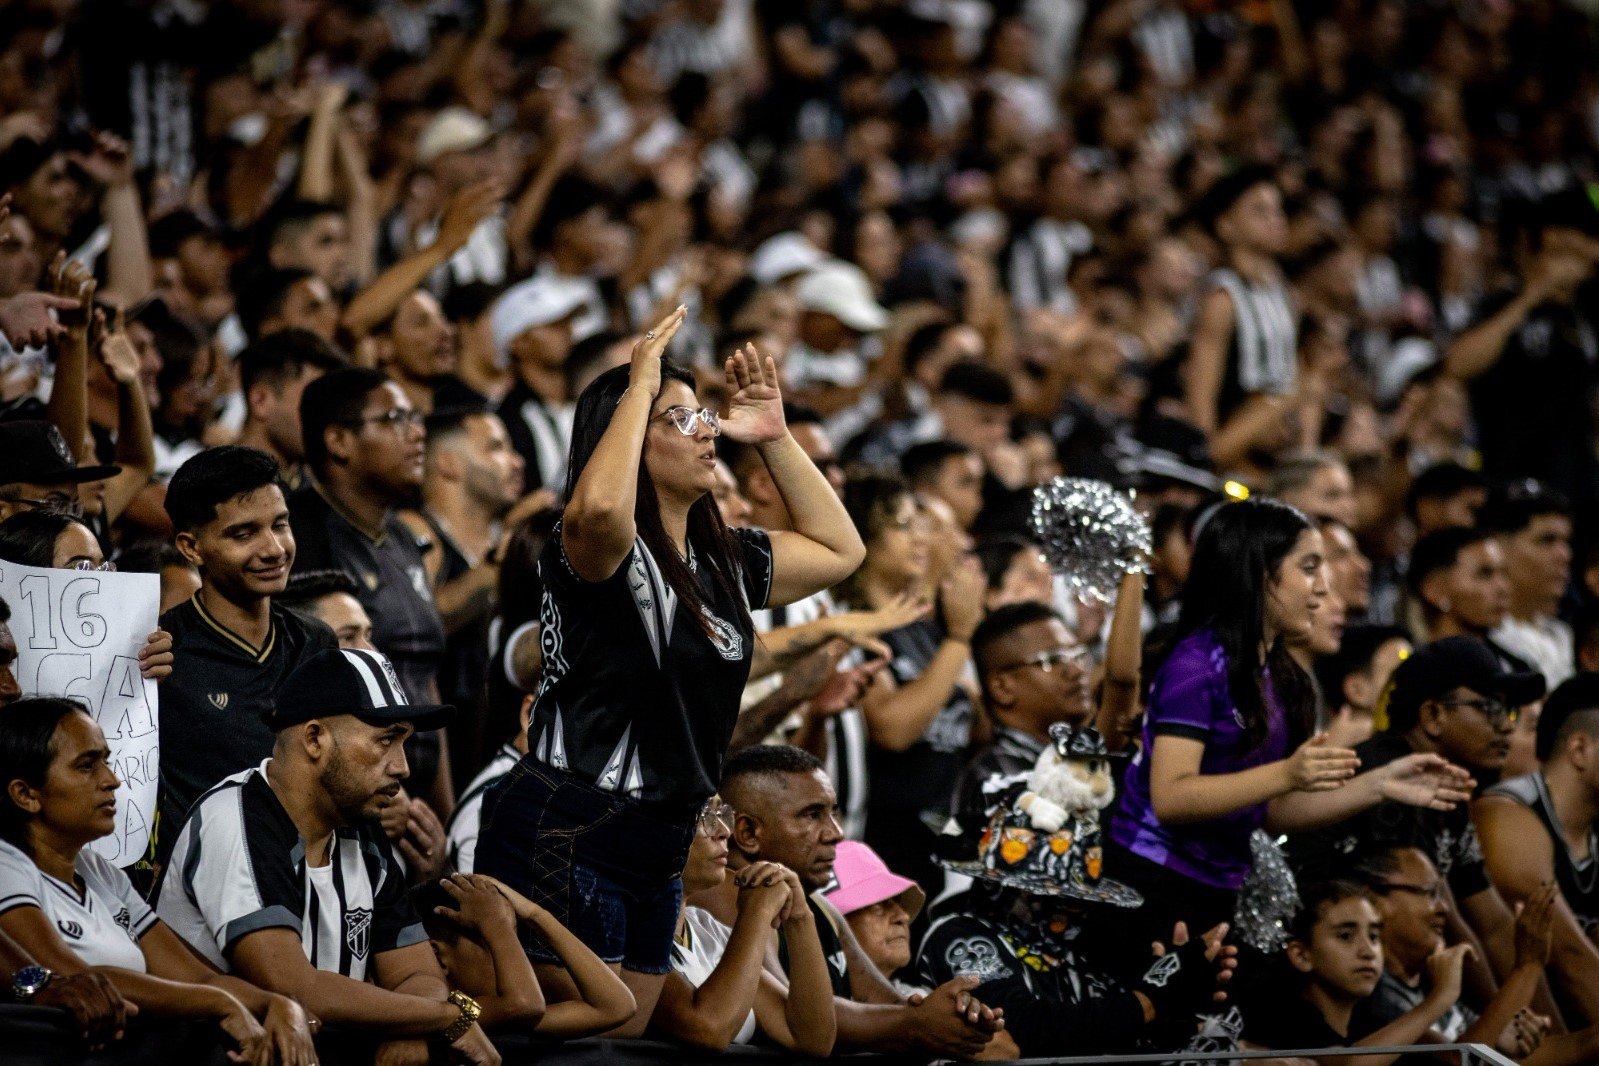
(605, 866)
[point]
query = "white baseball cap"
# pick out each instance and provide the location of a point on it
(783, 256)
(454, 129)
(840, 289)
(538, 301)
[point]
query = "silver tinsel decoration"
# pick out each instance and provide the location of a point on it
(1090, 534)
(1268, 899)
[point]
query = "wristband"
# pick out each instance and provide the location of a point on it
(1181, 981)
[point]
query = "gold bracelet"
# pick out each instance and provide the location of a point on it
(470, 1012)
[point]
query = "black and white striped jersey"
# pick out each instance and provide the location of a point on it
(637, 696)
(239, 866)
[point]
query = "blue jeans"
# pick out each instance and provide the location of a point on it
(605, 866)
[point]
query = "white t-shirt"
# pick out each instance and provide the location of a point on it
(1546, 643)
(103, 927)
(707, 942)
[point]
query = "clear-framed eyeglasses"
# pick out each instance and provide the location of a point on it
(1055, 659)
(107, 567)
(686, 419)
(716, 817)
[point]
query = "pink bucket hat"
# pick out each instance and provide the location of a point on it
(864, 879)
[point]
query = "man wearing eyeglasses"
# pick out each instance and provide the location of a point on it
(39, 472)
(1455, 698)
(1034, 673)
(364, 447)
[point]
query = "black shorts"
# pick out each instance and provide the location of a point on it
(605, 866)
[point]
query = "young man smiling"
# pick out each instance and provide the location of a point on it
(232, 647)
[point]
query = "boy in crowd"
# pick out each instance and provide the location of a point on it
(232, 645)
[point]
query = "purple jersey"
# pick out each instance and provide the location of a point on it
(1189, 698)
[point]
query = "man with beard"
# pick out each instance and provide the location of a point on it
(365, 448)
(473, 482)
(281, 876)
(232, 647)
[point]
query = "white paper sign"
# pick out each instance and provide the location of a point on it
(78, 635)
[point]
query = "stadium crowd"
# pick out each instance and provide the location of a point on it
(588, 447)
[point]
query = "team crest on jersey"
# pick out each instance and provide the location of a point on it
(70, 930)
(728, 642)
(357, 931)
(125, 920)
(219, 700)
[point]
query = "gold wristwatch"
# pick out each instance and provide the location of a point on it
(470, 1012)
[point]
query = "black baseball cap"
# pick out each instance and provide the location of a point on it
(1435, 669)
(34, 451)
(1576, 694)
(350, 681)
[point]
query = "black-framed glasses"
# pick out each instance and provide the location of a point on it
(1434, 891)
(716, 817)
(1498, 712)
(685, 419)
(1052, 660)
(399, 418)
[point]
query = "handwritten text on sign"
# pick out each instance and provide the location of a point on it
(78, 635)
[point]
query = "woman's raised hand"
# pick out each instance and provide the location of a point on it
(645, 373)
(1319, 767)
(755, 402)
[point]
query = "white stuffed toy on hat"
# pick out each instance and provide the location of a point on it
(1070, 779)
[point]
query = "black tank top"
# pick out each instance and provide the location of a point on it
(1579, 881)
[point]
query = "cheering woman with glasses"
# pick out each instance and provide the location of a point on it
(646, 634)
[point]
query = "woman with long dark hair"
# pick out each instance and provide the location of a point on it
(1227, 744)
(646, 634)
(71, 909)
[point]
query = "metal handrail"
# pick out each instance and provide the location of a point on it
(1470, 1055)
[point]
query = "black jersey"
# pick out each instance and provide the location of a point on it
(391, 583)
(1054, 1005)
(211, 706)
(1578, 878)
(635, 696)
(466, 651)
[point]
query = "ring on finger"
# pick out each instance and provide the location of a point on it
(649, 334)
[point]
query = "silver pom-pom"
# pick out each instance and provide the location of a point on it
(1090, 534)
(1268, 899)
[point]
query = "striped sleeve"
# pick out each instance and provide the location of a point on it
(239, 867)
(394, 921)
(21, 883)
